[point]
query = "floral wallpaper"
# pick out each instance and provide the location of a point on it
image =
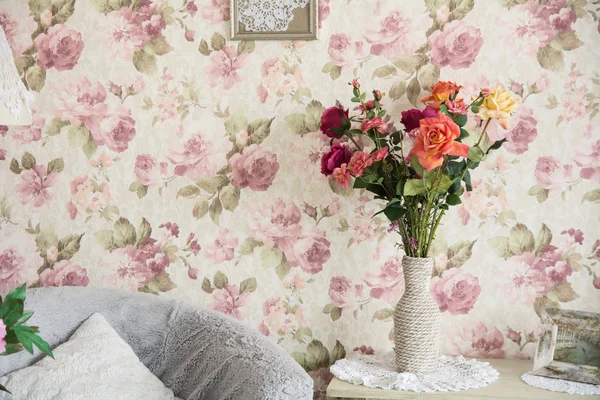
(165, 158)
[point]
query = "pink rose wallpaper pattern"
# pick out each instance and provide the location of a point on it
(167, 159)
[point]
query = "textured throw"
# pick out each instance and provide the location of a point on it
(197, 353)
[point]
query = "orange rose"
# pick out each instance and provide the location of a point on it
(441, 92)
(435, 139)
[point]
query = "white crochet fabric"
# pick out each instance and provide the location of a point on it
(12, 91)
(560, 385)
(268, 15)
(453, 374)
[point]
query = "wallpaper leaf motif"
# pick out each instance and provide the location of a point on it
(165, 158)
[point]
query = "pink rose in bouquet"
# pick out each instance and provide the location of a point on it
(411, 118)
(339, 154)
(436, 139)
(333, 121)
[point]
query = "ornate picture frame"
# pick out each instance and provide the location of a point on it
(568, 346)
(302, 25)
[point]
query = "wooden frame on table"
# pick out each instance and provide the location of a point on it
(569, 346)
(304, 25)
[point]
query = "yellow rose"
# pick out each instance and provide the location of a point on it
(499, 105)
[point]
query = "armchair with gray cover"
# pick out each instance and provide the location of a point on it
(197, 353)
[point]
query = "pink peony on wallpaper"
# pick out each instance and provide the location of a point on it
(165, 158)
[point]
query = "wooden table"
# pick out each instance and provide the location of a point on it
(508, 386)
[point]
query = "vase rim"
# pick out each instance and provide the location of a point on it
(417, 258)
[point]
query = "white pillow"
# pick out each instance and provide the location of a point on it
(95, 364)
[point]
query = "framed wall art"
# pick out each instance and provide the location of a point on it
(569, 346)
(274, 20)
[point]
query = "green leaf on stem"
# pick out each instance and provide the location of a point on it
(414, 187)
(463, 134)
(394, 211)
(444, 109)
(467, 180)
(476, 154)
(497, 144)
(441, 185)
(460, 120)
(17, 293)
(453, 200)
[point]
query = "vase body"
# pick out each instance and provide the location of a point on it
(417, 319)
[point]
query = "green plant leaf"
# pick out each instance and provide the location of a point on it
(414, 187)
(17, 293)
(476, 154)
(453, 200)
(10, 311)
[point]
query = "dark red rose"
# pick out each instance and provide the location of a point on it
(332, 118)
(337, 156)
(411, 118)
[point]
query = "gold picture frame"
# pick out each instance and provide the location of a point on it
(304, 25)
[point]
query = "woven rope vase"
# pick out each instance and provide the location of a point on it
(417, 319)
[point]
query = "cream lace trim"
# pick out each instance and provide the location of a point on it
(268, 15)
(12, 91)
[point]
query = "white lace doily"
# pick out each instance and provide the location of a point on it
(268, 15)
(453, 374)
(12, 91)
(560, 385)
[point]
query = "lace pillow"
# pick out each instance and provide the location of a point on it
(95, 364)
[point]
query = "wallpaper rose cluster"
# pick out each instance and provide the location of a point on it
(167, 159)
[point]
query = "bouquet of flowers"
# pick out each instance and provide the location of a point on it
(422, 170)
(14, 336)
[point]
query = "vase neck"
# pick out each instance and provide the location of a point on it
(417, 273)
